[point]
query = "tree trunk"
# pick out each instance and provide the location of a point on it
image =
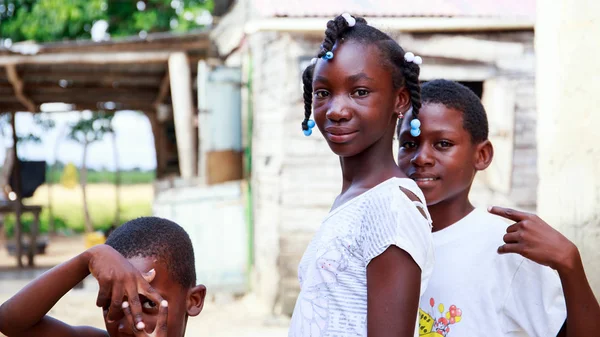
(117, 181)
(51, 184)
(83, 180)
(17, 189)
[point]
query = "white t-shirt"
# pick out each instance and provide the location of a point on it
(474, 291)
(333, 271)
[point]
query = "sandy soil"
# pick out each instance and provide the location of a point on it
(222, 317)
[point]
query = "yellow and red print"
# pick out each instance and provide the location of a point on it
(430, 325)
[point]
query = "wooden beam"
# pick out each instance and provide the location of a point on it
(13, 78)
(191, 45)
(464, 48)
(183, 113)
(163, 91)
(9, 106)
(93, 93)
(160, 146)
(138, 106)
(18, 203)
(191, 41)
(34, 78)
(88, 58)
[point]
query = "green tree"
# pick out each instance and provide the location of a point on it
(55, 20)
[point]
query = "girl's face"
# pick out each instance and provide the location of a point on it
(355, 104)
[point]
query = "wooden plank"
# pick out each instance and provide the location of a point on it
(499, 101)
(16, 172)
(90, 97)
(89, 105)
(160, 147)
(88, 58)
(13, 78)
(41, 79)
(163, 90)
(183, 112)
(154, 41)
(457, 72)
(96, 92)
(463, 47)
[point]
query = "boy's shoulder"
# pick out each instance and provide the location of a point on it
(491, 222)
(486, 228)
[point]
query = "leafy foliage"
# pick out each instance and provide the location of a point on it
(55, 20)
(91, 128)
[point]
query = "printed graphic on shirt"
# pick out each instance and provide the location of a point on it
(432, 325)
(313, 305)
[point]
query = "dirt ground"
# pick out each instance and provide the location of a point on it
(223, 316)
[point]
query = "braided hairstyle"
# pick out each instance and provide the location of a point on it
(404, 73)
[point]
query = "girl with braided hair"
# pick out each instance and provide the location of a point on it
(363, 272)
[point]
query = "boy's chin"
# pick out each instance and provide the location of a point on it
(433, 198)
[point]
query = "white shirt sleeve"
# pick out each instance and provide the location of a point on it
(393, 219)
(535, 302)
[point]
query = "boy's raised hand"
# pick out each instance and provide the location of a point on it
(120, 281)
(534, 239)
(160, 330)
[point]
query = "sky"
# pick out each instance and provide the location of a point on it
(134, 140)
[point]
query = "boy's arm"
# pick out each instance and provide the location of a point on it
(25, 313)
(534, 239)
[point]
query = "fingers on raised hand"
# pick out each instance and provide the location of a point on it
(160, 330)
(149, 276)
(511, 248)
(144, 288)
(115, 304)
(161, 323)
(134, 305)
(136, 327)
(512, 237)
(509, 213)
(104, 295)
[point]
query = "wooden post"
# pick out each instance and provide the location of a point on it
(183, 113)
(17, 189)
(33, 237)
(158, 132)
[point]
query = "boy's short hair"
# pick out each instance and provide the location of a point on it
(457, 96)
(160, 238)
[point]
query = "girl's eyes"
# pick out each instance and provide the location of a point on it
(444, 143)
(321, 93)
(357, 93)
(361, 92)
(409, 145)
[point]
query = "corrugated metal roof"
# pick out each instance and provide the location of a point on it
(397, 8)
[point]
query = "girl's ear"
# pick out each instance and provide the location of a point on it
(195, 301)
(484, 153)
(402, 102)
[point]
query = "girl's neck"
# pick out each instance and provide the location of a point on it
(369, 168)
(446, 213)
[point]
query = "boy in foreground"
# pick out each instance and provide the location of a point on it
(147, 282)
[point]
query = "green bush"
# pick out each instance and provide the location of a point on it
(70, 219)
(131, 177)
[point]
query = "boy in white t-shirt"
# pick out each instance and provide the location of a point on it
(476, 289)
